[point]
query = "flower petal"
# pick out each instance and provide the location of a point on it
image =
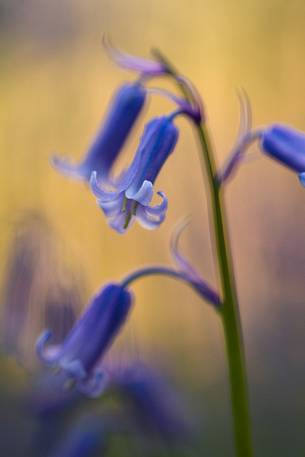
(66, 168)
(101, 194)
(95, 385)
(302, 178)
(114, 207)
(143, 195)
(48, 355)
(157, 210)
(74, 368)
(129, 62)
(147, 221)
(118, 223)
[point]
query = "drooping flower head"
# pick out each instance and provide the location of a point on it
(132, 193)
(124, 110)
(286, 145)
(89, 339)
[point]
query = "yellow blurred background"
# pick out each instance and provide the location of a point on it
(56, 81)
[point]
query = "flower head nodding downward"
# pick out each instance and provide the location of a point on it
(286, 145)
(85, 345)
(132, 193)
(122, 115)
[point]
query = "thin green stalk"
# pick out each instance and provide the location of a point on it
(229, 312)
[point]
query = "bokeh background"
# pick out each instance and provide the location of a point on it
(55, 83)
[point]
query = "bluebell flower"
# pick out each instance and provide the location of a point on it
(287, 145)
(83, 348)
(131, 195)
(153, 404)
(124, 111)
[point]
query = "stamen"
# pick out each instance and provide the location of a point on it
(127, 220)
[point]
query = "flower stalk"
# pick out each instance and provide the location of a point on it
(229, 312)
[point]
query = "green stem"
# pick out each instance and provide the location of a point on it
(229, 312)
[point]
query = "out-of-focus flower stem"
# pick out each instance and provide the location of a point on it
(229, 311)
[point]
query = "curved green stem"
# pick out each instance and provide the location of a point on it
(229, 311)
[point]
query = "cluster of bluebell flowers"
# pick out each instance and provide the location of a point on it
(128, 198)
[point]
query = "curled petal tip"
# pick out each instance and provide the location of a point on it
(101, 194)
(129, 62)
(41, 349)
(95, 385)
(174, 242)
(143, 195)
(74, 368)
(66, 168)
(302, 178)
(187, 271)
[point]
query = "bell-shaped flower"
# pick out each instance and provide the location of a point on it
(286, 145)
(124, 110)
(131, 194)
(83, 348)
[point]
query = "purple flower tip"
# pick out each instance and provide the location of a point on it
(143, 66)
(286, 145)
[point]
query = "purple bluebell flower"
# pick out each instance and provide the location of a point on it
(124, 111)
(153, 404)
(83, 348)
(132, 193)
(287, 145)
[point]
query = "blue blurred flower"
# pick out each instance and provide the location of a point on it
(86, 343)
(286, 145)
(154, 405)
(124, 111)
(84, 439)
(132, 193)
